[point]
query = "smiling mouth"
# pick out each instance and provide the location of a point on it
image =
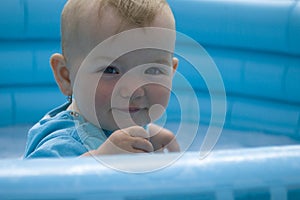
(131, 109)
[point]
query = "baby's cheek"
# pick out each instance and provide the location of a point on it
(103, 93)
(158, 95)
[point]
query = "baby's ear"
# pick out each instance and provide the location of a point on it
(61, 73)
(175, 63)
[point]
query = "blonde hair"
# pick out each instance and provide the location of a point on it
(138, 12)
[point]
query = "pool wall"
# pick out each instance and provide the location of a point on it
(225, 175)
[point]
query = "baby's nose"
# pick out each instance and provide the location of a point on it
(131, 91)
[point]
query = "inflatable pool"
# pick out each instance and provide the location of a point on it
(255, 46)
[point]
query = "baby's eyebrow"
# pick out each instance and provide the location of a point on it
(104, 60)
(163, 61)
(110, 59)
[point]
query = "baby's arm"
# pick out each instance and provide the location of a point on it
(130, 140)
(162, 138)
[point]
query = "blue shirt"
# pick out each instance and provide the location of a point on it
(63, 133)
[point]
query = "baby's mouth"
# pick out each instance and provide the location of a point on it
(132, 109)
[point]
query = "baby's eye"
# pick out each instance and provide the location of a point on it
(154, 71)
(111, 70)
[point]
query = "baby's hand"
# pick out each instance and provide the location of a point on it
(162, 138)
(129, 140)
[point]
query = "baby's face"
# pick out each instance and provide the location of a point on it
(134, 89)
(127, 89)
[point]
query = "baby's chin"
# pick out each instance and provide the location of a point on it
(122, 123)
(133, 122)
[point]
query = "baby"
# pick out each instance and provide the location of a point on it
(115, 98)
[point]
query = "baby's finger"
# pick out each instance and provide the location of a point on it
(136, 131)
(142, 144)
(161, 150)
(173, 146)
